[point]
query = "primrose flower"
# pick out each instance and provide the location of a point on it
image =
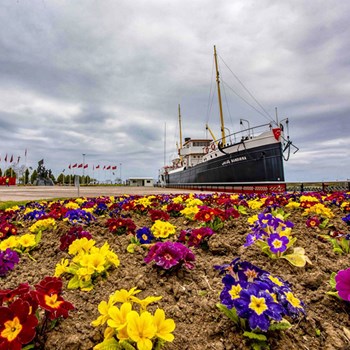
(144, 235)
(123, 296)
(256, 295)
(164, 326)
(17, 325)
(169, 254)
(10, 242)
(346, 219)
(313, 222)
(8, 259)
(27, 240)
(258, 307)
(277, 243)
(42, 225)
(118, 317)
(189, 212)
(342, 280)
(141, 329)
(162, 229)
(81, 245)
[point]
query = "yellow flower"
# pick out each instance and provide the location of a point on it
(256, 203)
(252, 219)
(27, 240)
(293, 205)
(193, 202)
(42, 225)
(10, 242)
(164, 326)
(103, 308)
(123, 296)
(189, 212)
(177, 200)
(72, 205)
(82, 244)
(141, 329)
(61, 267)
(162, 229)
(145, 302)
(94, 261)
(118, 316)
(113, 258)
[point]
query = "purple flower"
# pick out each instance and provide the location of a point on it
(258, 307)
(8, 259)
(277, 243)
(79, 216)
(342, 280)
(144, 235)
(346, 219)
(169, 254)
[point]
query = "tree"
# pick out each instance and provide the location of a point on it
(26, 176)
(33, 177)
(60, 179)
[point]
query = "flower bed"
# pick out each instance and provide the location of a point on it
(214, 271)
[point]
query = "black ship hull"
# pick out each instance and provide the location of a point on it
(264, 163)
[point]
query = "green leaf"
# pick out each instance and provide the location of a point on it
(73, 283)
(255, 336)
(131, 248)
(280, 326)
(338, 250)
(334, 294)
(332, 280)
(38, 237)
(109, 344)
(29, 346)
(230, 313)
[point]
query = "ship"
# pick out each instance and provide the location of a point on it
(252, 155)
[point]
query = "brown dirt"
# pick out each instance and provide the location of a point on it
(189, 297)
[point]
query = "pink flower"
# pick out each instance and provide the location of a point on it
(342, 280)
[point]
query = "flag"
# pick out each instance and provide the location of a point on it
(25, 153)
(5, 158)
(69, 166)
(18, 159)
(108, 167)
(74, 165)
(98, 166)
(11, 160)
(85, 166)
(41, 162)
(114, 167)
(63, 170)
(80, 165)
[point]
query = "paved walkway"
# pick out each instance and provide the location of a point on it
(19, 193)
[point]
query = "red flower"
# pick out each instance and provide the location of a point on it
(47, 294)
(49, 285)
(54, 304)
(8, 295)
(17, 325)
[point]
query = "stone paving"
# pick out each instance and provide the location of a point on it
(19, 193)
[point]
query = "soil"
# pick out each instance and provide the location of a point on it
(190, 296)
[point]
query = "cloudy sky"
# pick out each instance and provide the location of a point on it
(104, 78)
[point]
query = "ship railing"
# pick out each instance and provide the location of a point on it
(266, 187)
(244, 135)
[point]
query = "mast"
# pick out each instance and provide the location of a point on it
(223, 136)
(180, 128)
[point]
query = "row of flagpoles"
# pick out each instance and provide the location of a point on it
(85, 166)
